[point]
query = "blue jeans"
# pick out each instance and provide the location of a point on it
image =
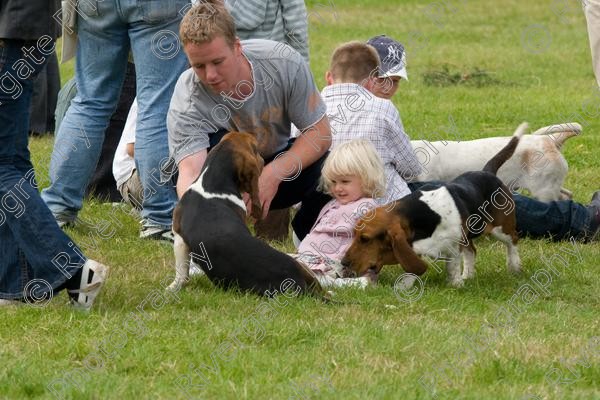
(106, 32)
(33, 249)
(558, 220)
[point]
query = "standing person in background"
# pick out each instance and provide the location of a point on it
(102, 185)
(37, 259)
(45, 90)
(45, 94)
(591, 9)
(107, 31)
(282, 21)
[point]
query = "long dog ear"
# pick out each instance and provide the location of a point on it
(248, 175)
(404, 253)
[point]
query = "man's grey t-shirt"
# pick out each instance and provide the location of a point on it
(284, 93)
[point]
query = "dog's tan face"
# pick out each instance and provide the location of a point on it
(371, 247)
(249, 165)
(379, 239)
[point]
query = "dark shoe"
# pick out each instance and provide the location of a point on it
(65, 220)
(594, 210)
(596, 199)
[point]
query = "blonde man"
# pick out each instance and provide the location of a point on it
(258, 86)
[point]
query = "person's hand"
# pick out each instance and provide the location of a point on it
(268, 183)
(247, 201)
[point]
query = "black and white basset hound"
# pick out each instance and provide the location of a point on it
(440, 222)
(209, 223)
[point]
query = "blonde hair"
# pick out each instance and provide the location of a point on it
(357, 157)
(205, 21)
(354, 62)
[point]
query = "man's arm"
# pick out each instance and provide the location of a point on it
(308, 148)
(189, 170)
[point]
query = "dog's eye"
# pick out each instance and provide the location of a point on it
(363, 239)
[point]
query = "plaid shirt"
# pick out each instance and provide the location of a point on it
(282, 21)
(355, 113)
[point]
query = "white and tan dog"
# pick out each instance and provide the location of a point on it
(537, 164)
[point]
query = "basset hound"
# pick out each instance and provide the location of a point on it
(209, 223)
(537, 165)
(440, 222)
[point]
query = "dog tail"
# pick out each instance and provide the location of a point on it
(560, 132)
(507, 151)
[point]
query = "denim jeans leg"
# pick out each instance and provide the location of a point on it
(30, 239)
(558, 220)
(160, 60)
(103, 46)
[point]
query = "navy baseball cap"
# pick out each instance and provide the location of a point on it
(392, 55)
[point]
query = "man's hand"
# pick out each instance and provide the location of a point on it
(308, 148)
(189, 170)
(268, 183)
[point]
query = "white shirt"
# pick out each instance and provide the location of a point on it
(123, 164)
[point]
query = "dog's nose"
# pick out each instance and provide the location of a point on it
(348, 273)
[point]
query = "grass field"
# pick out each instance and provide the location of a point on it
(534, 336)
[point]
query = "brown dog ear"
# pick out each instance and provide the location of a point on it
(248, 175)
(404, 253)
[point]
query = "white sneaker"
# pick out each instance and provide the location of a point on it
(328, 281)
(157, 232)
(360, 283)
(4, 302)
(93, 275)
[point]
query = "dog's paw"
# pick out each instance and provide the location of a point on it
(513, 264)
(175, 286)
(515, 269)
(457, 283)
(468, 274)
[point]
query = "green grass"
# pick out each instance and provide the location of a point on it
(496, 338)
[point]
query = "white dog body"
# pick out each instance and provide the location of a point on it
(537, 164)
